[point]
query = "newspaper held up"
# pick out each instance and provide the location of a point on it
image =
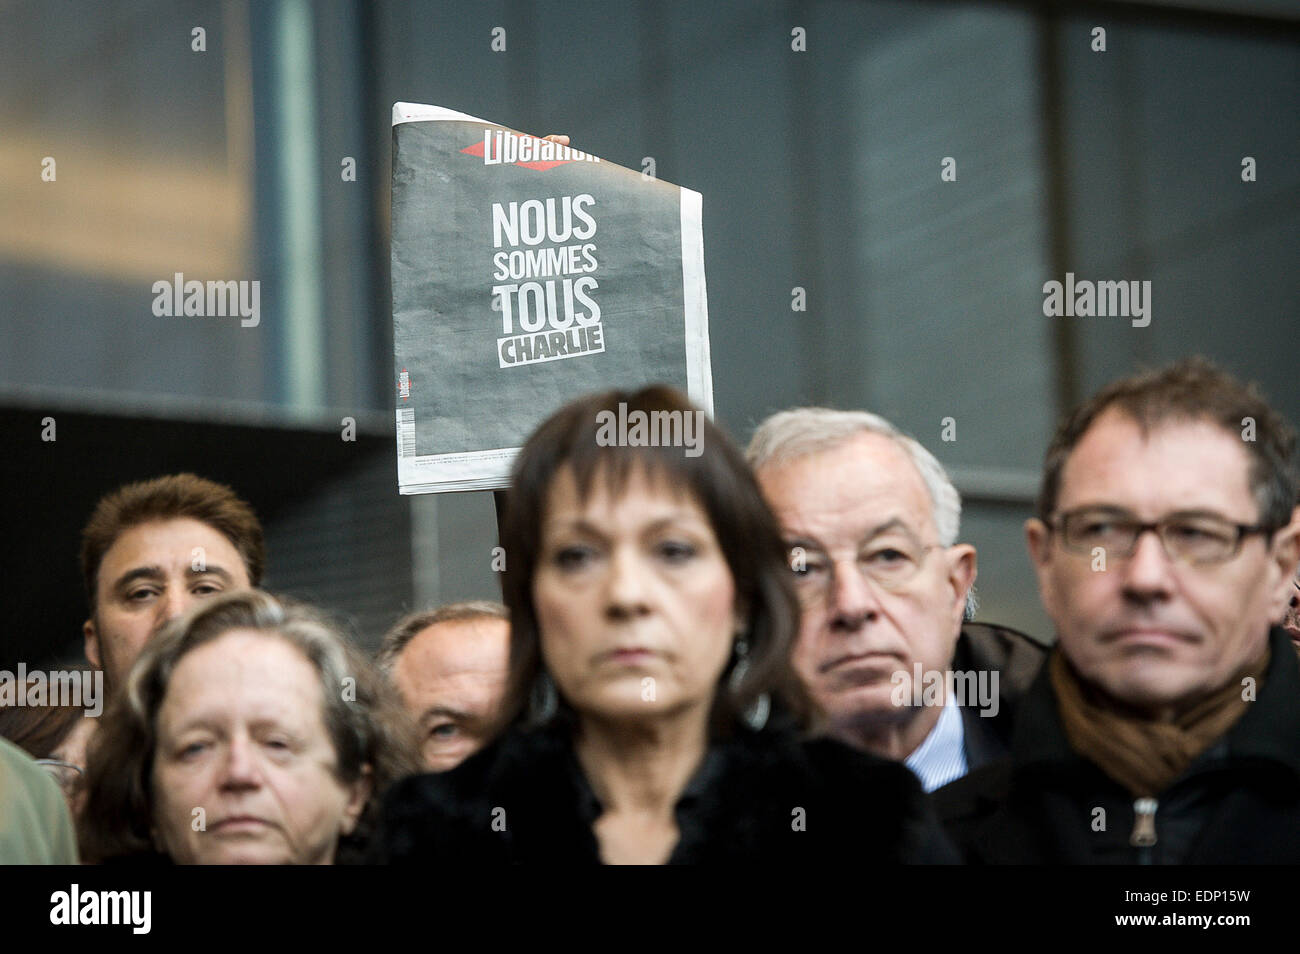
(526, 273)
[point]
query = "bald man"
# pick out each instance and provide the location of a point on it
(449, 668)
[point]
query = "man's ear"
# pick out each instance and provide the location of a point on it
(963, 566)
(1285, 557)
(1038, 539)
(92, 643)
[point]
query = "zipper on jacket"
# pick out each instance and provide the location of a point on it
(1144, 828)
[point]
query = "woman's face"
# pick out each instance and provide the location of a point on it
(244, 771)
(635, 602)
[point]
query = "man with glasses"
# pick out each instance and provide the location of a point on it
(1164, 727)
(871, 521)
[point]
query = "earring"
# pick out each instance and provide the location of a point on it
(756, 715)
(544, 702)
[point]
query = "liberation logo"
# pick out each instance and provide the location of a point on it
(503, 147)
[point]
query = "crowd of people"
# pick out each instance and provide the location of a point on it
(714, 657)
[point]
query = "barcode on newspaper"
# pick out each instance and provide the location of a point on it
(406, 432)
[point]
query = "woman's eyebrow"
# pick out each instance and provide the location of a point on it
(443, 712)
(583, 525)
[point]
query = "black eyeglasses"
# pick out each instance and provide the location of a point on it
(1197, 538)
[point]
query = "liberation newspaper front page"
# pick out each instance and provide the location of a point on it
(524, 275)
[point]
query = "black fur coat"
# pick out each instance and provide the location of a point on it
(759, 797)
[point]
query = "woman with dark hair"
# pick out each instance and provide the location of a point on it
(250, 731)
(651, 714)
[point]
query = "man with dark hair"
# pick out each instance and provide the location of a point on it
(153, 548)
(1163, 728)
(449, 667)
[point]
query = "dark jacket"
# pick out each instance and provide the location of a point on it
(1237, 803)
(1016, 658)
(760, 797)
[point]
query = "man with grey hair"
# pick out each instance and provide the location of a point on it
(449, 665)
(871, 520)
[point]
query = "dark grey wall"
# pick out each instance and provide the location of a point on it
(819, 169)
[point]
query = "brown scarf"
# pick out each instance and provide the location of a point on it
(1141, 754)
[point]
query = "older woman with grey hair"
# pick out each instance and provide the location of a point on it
(249, 731)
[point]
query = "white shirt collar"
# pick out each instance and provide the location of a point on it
(941, 756)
